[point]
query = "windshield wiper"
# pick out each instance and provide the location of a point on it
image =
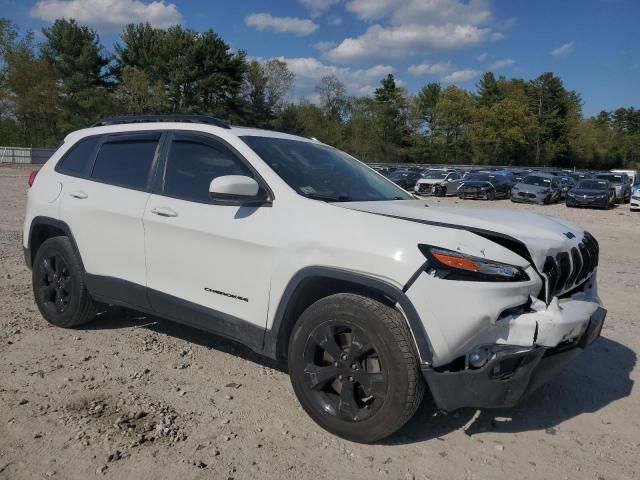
(328, 198)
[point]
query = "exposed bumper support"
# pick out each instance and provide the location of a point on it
(511, 373)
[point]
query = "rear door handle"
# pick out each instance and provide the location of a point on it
(79, 194)
(164, 212)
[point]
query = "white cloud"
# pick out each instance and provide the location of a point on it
(412, 27)
(398, 42)
(502, 64)
(429, 68)
(334, 20)
(463, 75)
(108, 12)
(563, 50)
(482, 57)
(318, 7)
(265, 21)
(309, 71)
(495, 36)
(324, 46)
(472, 12)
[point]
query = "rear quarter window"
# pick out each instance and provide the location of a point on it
(76, 161)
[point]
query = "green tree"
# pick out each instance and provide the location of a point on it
(138, 94)
(454, 118)
(76, 58)
(393, 125)
(489, 91)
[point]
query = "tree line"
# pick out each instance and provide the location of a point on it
(67, 81)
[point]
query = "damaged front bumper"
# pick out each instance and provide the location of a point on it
(514, 371)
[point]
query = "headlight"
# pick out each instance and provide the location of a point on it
(571, 194)
(514, 189)
(452, 265)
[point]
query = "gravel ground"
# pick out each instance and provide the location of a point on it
(131, 396)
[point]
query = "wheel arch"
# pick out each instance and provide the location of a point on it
(41, 230)
(315, 282)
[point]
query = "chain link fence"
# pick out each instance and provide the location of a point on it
(25, 155)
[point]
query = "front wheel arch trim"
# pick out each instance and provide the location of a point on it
(272, 338)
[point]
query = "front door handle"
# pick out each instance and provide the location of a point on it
(79, 194)
(164, 212)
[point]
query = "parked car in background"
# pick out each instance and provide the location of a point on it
(406, 179)
(438, 182)
(635, 200)
(537, 188)
(566, 184)
(485, 185)
(386, 171)
(592, 193)
(633, 175)
(621, 183)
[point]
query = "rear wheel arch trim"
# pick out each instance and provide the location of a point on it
(51, 222)
(272, 340)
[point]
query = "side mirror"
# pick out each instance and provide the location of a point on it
(234, 187)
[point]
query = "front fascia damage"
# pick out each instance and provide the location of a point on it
(546, 325)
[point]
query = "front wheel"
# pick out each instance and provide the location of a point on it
(58, 285)
(353, 367)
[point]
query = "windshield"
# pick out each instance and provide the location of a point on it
(435, 174)
(593, 184)
(324, 173)
(615, 179)
(538, 181)
(479, 177)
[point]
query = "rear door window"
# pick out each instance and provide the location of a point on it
(125, 160)
(76, 161)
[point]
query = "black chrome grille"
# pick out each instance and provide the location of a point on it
(569, 269)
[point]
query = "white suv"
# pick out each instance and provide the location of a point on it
(303, 253)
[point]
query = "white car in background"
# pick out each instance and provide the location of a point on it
(635, 200)
(441, 182)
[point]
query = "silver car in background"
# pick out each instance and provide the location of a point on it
(622, 184)
(438, 182)
(537, 188)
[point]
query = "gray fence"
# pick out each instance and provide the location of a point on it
(25, 155)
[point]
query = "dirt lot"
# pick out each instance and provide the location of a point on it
(131, 396)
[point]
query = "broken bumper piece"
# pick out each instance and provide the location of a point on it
(510, 373)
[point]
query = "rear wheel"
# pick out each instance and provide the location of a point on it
(58, 285)
(353, 367)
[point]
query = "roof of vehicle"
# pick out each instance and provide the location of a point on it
(541, 174)
(107, 126)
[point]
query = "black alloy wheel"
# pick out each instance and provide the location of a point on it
(58, 285)
(353, 367)
(54, 284)
(344, 371)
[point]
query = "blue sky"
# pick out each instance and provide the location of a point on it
(593, 45)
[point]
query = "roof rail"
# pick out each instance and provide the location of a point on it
(161, 118)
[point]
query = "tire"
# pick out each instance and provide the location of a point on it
(362, 394)
(58, 285)
(491, 195)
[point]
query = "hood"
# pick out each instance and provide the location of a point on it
(542, 235)
(477, 183)
(587, 191)
(525, 187)
(431, 181)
